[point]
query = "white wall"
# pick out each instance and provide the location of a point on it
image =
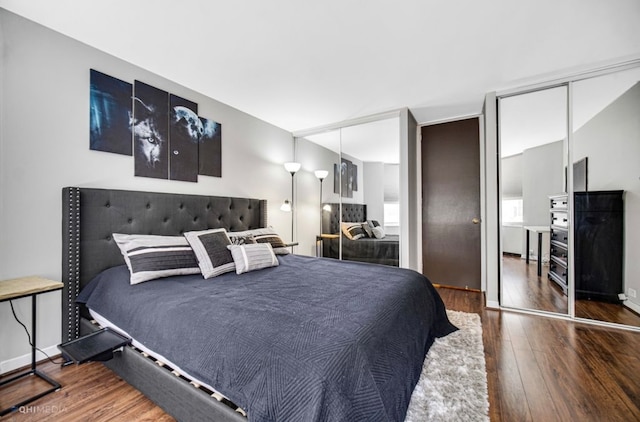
(44, 146)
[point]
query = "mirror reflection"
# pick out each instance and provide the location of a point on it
(606, 172)
(533, 150)
(358, 212)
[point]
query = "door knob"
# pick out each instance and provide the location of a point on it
(475, 221)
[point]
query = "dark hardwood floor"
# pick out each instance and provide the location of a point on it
(538, 369)
(522, 288)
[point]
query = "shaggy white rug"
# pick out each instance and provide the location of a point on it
(453, 382)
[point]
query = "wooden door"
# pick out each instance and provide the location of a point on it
(451, 203)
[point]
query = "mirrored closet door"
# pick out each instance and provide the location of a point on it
(570, 177)
(533, 156)
(356, 215)
(605, 147)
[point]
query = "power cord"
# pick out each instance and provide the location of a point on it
(13, 311)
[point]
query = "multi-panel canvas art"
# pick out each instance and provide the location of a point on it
(345, 176)
(162, 131)
(210, 163)
(185, 132)
(110, 111)
(150, 131)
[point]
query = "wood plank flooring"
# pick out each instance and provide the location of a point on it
(522, 288)
(538, 369)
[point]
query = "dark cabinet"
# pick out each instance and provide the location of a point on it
(598, 245)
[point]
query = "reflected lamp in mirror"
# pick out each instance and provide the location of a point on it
(286, 206)
(292, 167)
(321, 175)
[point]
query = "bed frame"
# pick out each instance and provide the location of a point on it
(89, 218)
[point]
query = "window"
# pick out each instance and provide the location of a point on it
(512, 211)
(391, 214)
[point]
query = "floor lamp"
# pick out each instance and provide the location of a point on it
(321, 174)
(292, 168)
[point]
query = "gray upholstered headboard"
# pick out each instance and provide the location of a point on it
(350, 213)
(91, 216)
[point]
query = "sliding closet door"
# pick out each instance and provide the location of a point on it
(451, 204)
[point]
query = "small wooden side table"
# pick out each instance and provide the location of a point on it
(320, 242)
(15, 289)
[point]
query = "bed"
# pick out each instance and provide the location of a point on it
(369, 249)
(284, 343)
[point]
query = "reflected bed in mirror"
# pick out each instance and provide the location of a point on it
(368, 245)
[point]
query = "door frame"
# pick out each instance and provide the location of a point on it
(483, 190)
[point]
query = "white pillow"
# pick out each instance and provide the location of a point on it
(378, 232)
(210, 247)
(149, 257)
(251, 257)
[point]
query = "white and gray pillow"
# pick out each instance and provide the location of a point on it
(378, 232)
(251, 257)
(210, 247)
(149, 257)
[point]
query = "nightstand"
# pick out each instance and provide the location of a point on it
(97, 346)
(320, 242)
(15, 289)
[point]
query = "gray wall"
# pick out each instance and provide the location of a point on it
(511, 176)
(44, 146)
(313, 157)
(542, 176)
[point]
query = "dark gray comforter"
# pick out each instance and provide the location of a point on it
(313, 339)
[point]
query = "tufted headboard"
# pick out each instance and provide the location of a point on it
(91, 216)
(350, 213)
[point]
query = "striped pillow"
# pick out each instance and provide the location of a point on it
(265, 235)
(353, 231)
(149, 257)
(210, 247)
(253, 257)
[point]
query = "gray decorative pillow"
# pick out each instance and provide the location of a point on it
(253, 257)
(149, 257)
(265, 235)
(210, 247)
(241, 240)
(367, 229)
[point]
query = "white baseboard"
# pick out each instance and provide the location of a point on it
(25, 360)
(634, 307)
(493, 304)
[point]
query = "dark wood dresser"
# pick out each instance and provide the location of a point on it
(559, 235)
(598, 244)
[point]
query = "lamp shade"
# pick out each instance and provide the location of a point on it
(292, 167)
(321, 174)
(286, 206)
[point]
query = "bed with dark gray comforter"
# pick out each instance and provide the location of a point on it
(312, 339)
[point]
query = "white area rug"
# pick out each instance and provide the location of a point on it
(453, 383)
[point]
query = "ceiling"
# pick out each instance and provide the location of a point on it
(538, 118)
(301, 64)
